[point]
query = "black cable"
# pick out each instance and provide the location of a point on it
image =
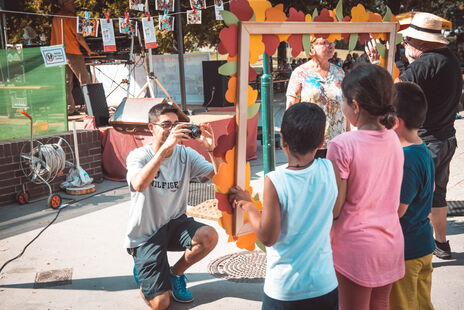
(58, 213)
(24, 250)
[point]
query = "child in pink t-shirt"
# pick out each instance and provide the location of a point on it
(367, 240)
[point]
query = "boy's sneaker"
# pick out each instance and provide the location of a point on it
(179, 288)
(442, 250)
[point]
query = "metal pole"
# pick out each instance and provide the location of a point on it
(4, 36)
(180, 48)
(149, 80)
(129, 65)
(267, 116)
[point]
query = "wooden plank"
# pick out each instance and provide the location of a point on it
(239, 227)
(317, 27)
(391, 51)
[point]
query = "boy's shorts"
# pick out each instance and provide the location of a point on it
(328, 301)
(151, 260)
(442, 152)
(413, 291)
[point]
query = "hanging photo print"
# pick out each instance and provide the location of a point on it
(138, 5)
(198, 4)
(127, 26)
(109, 43)
(193, 16)
(88, 27)
(218, 7)
(166, 22)
(149, 32)
(164, 5)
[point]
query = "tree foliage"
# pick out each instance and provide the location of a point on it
(207, 34)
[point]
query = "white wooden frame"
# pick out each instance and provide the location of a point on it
(245, 29)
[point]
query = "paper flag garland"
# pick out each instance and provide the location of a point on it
(164, 5)
(127, 27)
(88, 27)
(166, 22)
(109, 43)
(198, 4)
(193, 17)
(218, 7)
(137, 5)
(149, 33)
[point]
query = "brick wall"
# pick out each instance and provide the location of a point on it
(12, 177)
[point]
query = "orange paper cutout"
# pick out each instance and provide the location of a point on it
(247, 242)
(252, 95)
(224, 178)
(260, 7)
(359, 14)
(375, 17)
(231, 93)
(257, 47)
(276, 14)
(396, 72)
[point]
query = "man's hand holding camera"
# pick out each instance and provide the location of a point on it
(207, 137)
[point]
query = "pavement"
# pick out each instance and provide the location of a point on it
(87, 240)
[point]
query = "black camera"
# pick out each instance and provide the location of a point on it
(195, 131)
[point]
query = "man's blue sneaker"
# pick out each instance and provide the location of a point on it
(179, 288)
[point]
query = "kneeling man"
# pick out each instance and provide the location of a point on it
(158, 175)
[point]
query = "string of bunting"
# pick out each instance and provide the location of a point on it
(88, 26)
(219, 2)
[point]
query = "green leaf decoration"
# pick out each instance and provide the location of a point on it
(260, 245)
(315, 13)
(228, 68)
(254, 17)
(229, 18)
(307, 44)
(381, 49)
(388, 15)
(253, 110)
(339, 11)
(353, 41)
(399, 38)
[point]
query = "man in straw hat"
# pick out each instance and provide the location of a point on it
(436, 70)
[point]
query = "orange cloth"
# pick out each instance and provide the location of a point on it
(71, 44)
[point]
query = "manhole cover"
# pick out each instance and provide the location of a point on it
(53, 278)
(249, 267)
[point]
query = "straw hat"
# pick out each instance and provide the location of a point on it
(425, 27)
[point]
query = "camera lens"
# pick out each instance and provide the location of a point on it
(195, 131)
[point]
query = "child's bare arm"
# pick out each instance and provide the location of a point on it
(402, 209)
(265, 223)
(341, 184)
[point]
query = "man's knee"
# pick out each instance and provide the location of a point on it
(160, 302)
(206, 236)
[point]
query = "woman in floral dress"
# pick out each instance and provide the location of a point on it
(318, 81)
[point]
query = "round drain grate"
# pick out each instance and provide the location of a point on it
(249, 267)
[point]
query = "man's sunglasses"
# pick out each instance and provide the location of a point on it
(166, 125)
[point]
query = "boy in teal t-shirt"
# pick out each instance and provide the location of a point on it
(413, 291)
